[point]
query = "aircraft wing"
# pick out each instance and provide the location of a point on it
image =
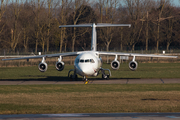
(46, 56)
(135, 54)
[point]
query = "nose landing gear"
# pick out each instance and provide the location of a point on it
(86, 81)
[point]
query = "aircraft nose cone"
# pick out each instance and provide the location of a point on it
(84, 70)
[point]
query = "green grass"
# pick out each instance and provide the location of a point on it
(34, 99)
(145, 70)
(7, 89)
(92, 98)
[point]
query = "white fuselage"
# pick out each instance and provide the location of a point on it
(87, 64)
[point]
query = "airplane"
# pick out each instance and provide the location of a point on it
(89, 63)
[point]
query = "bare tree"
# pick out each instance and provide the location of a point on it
(135, 13)
(106, 34)
(37, 27)
(168, 24)
(52, 4)
(78, 11)
(64, 15)
(4, 4)
(160, 6)
(15, 32)
(158, 22)
(101, 5)
(26, 19)
(34, 23)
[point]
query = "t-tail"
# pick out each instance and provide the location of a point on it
(94, 33)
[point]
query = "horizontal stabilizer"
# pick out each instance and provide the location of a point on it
(98, 25)
(79, 25)
(112, 25)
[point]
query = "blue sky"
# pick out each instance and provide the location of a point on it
(176, 2)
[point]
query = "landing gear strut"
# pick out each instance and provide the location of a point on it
(72, 76)
(86, 81)
(104, 75)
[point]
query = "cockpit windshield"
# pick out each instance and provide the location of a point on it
(86, 61)
(81, 60)
(92, 61)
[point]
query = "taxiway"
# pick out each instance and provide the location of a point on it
(111, 81)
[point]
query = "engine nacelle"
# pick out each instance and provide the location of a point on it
(133, 65)
(59, 65)
(115, 65)
(42, 66)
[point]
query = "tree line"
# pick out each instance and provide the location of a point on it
(33, 25)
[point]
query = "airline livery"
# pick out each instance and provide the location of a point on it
(89, 63)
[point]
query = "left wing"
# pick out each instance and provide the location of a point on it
(134, 54)
(133, 64)
(46, 56)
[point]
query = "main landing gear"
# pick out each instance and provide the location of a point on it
(104, 75)
(72, 76)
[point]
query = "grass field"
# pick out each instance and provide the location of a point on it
(33, 99)
(92, 98)
(145, 70)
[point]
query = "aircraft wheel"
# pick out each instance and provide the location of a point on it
(105, 77)
(76, 77)
(71, 77)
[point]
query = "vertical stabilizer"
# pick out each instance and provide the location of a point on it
(94, 38)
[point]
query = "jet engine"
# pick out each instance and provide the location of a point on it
(115, 65)
(59, 65)
(42, 66)
(133, 65)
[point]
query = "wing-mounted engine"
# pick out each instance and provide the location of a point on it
(115, 64)
(43, 65)
(59, 65)
(133, 64)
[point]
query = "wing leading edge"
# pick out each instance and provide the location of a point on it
(99, 52)
(46, 56)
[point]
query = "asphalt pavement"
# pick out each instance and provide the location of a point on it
(110, 81)
(94, 116)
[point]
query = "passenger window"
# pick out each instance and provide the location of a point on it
(87, 60)
(81, 60)
(92, 61)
